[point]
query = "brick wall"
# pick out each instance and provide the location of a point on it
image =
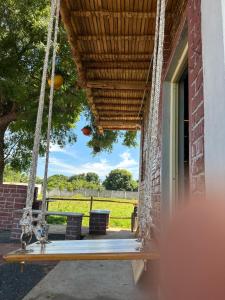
(190, 16)
(12, 197)
(98, 222)
(196, 97)
(74, 226)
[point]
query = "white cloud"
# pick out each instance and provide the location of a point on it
(127, 161)
(102, 167)
(54, 148)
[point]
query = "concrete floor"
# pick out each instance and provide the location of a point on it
(89, 280)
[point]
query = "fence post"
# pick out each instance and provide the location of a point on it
(91, 204)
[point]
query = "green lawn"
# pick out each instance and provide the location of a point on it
(116, 210)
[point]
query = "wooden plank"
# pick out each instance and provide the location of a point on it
(121, 108)
(130, 101)
(118, 249)
(117, 84)
(112, 14)
(117, 64)
(119, 124)
(115, 56)
(119, 113)
(116, 38)
(120, 118)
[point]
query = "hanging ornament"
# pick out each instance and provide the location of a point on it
(86, 130)
(58, 78)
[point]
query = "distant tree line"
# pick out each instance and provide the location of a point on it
(118, 180)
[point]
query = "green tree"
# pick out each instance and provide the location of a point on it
(92, 177)
(120, 180)
(57, 181)
(77, 177)
(13, 176)
(23, 29)
(105, 141)
(134, 184)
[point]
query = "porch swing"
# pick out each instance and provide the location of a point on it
(108, 249)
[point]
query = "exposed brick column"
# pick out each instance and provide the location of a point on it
(196, 98)
(99, 220)
(74, 226)
(12, 197)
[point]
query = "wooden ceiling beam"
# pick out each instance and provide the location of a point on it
(117, 84)
(112, 14)
(116, 57)
(130, 101)
(118, 102)
(120, 119)
(130, 128)
(118, 107)
(115, 37)
(117, 64)
(100, 94)
(117, 70)
(121, 125)
(104, 113)
(105, 100)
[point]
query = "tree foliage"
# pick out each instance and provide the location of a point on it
(120, 180)
(75, 182)
(13, 176)
(23, 31)
(105, 141)
(92, 177)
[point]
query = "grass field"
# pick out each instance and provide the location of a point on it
(116, 210)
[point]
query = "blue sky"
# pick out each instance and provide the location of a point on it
(78, 159)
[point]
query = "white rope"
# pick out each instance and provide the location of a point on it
(37, 135)
(50, 109)
(145, 218)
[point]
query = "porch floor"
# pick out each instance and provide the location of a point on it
(89, 280)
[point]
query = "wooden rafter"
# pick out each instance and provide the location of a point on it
(113, 14)
(117, 84)
(120, 118)
(125, 125)
(115, 37)
(130, 101)
(115, 57)
(116, 94)
(117, 64)
(118, 107)
(119, 113)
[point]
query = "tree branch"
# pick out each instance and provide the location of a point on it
(7, 119)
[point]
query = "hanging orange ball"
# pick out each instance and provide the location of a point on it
(86, 130)
(58, 81)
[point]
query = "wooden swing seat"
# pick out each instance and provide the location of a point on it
(110, 249)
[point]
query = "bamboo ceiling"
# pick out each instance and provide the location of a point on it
(112, 44)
